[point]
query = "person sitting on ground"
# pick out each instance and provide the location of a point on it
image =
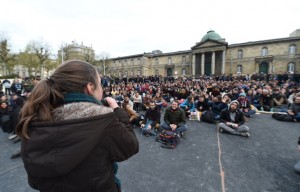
(188, 106)
(137, 101)
(245, 105)
(5, 121)
(127, 101)
(133, 117)
(294, 109)
(232, 121)
(218, 105)
(151, 121)
(174, 119)
(279, 99)
(202, 104)
(146, 101)
(266, 100)
(158, 100)
(297, 166)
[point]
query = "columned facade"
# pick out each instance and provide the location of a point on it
(213, 56)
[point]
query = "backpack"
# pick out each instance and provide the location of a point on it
(208, 116)
(282, 117)
(169, 139)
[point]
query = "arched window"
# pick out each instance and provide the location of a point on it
(131, 73)
(183, 71)
(139, 72)
(125, 73)
(292, 49)
(183, 60)
(239, 69)
(240, 54)
(264, 51)
(156, 61)
(169, 60)
(120, 74)
(291, 68)
(156, 72)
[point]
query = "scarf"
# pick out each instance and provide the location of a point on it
(81, 97)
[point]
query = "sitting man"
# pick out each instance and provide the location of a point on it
(279, 99)
(174, 119)
(294, 109)
(150, 123)
(266, 100)
(232, 121)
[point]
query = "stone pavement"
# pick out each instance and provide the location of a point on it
(263, 163)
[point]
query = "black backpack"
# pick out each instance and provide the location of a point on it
(169, 139)
(208, 116)
(282, 117)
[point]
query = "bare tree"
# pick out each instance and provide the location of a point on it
(42, 51)
(29, 59)
(7, 58)
(104, 60)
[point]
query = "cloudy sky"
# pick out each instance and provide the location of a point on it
(130, 27)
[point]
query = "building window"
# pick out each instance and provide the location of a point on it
(169, 60)
(156, 61)
(291, 68)
(120, 63)
(139, 61)
(240, 54)
(120, 74)
(264, 51)
(183, 71)
(183, 60)
(156, 72)
(114, 64)
(292, 49)
(131, 73)
(139, 72)
(131, 61)
(125, 73)
(239, 69)
(125, 63)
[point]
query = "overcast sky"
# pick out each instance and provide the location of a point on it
(131, 27)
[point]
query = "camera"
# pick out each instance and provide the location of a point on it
(104, 102)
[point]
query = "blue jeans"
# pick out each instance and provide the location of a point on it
(297, 116)
(147, 130)
(177, 130)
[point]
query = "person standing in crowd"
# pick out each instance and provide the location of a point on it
(17, 87)
(151, 121)
(70, 141)
(174, 119)
(6, 83)
(232, 121)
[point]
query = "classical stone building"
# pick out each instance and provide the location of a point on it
(76, 51)
(213, 55)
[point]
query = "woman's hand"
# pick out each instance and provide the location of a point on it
(111, 102)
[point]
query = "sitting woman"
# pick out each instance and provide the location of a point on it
(133, 117)
(188, 106)
(158, 100)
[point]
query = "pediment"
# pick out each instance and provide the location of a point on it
(209, 44)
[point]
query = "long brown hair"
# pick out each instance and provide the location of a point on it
(69, 77)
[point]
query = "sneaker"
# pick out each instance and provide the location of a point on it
(245, 134)
(12, 136)
(182, 135)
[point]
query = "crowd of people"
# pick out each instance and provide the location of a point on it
(152, 104)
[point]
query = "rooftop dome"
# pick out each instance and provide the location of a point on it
(211, 34)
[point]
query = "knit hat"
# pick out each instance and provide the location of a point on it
(242, 95)
(234, 101)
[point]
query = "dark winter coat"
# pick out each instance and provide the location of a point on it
(76, 152)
